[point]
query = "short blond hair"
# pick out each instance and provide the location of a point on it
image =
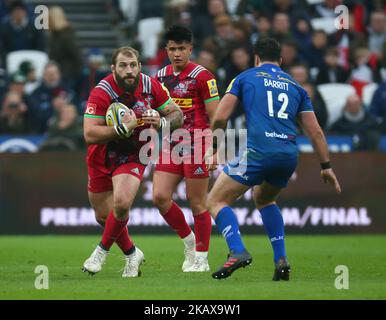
(126, 51)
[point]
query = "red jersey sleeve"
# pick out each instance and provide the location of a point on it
(97, 104)
(160, 94)
(208, 86)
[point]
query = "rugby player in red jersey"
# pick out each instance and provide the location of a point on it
(194, 89)
(114, 167)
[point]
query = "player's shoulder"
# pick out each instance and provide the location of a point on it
(149, 85)
(197, 71)
(165, 71)
(105, 88)
(246, 74)
(284, 76)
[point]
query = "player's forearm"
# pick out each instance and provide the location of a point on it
(320, 145)
(175, 119)
(218, 124)
(100, 135)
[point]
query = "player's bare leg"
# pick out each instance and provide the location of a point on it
(265, 197)
(102, 203)
(196, 192)
(126, 187)
(164, 185)
(224, 192)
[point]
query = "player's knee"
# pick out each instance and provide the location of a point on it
(121, 207)
(101, 220)
(161, 200)
(197, 207)
(262, 202)
(212, 205)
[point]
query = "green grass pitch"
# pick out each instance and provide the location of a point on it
(313, 259)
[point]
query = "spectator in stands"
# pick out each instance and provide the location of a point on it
(289, 7)
(378, 106)
(256, 8)
(28, 71)
(220, 44)
(263, 26)
(289, 54)
(302, 32)
(177, 12)
(203, 18)
(41, 99)
(95, 70)
(362, 73)
(240, 60)
(19, 33)
(299, 72)
(17, 83)
(62, 46)
(359, 124)
(243, 30)
(65, 130)
(281, 28)
(13, 118)
(6, 7)
(314, 55)
(377, 32)
(318, 103)
(208, 60)
(331, 71)
(150, 8)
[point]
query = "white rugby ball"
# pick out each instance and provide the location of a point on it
(115, 113)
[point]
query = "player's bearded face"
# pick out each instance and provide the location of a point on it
(127, 72)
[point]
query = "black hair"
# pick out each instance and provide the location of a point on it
(268, 49)
(179, 34)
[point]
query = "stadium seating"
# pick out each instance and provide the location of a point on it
(335, 96)
(38, 58)
(148, 33)
(368, 93)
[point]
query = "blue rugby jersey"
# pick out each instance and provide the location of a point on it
(271, 100)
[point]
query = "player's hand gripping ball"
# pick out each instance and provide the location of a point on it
(152, 117)
(118, 116)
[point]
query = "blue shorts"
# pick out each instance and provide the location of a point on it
(253, 169)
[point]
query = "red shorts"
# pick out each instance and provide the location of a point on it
(191, 166)
(101, 182)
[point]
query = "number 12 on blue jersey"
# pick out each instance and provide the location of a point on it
(283, 97)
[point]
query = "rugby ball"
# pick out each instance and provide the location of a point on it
(115, 113)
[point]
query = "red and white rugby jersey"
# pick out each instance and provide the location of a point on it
(191, 89)
(149, 95)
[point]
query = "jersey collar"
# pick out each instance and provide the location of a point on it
(184, 73)
(271, 67)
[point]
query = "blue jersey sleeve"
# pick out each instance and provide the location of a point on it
(306, 104)
(234, 87)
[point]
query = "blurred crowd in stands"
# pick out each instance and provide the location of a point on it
(225, 30)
